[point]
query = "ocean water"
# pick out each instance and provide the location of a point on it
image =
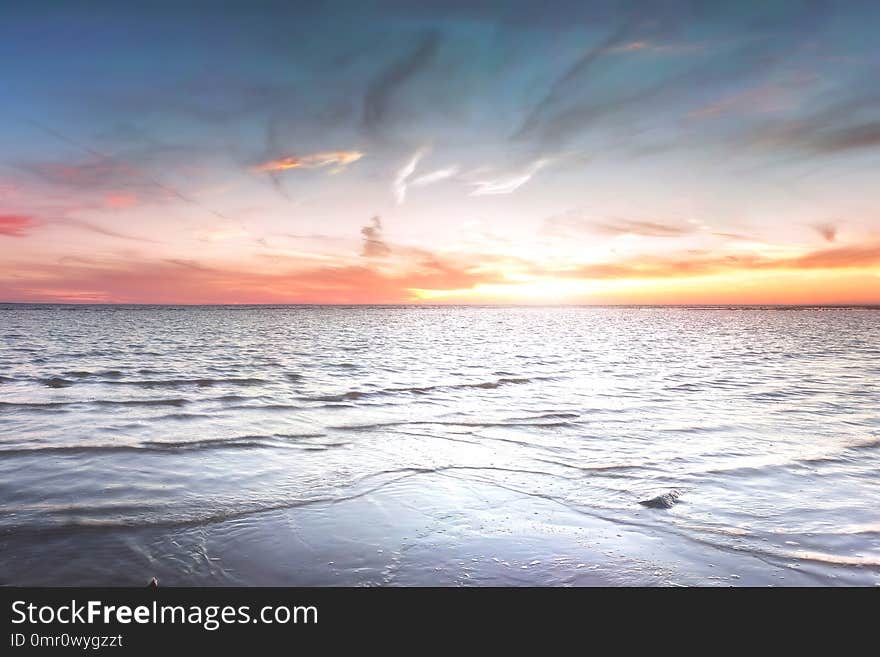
(438, 445)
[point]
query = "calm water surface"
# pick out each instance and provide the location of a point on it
(438, 445)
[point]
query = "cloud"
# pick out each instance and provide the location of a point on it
(827, 231)
(293, 280)
(740, 237)
(848, 257)
(435, 176)
(101, 230)
(632, 46)
(866, 135)
(843, 126)
(573, 223)
(560, 87)
(120, 200)
(382, 89)
(188, 282)
(863, 255)
(103, 170)
(16, 225)
(581, 100)
(399, 184)
(643, 228)
(92, 174)
(761, 99)
(374, 246)
(222, 232)
(337, 159)
(508, 184)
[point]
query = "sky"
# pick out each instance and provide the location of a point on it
(440, 152)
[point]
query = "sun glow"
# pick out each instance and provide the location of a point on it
(734, 287)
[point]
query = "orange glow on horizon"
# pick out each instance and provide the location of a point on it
(437, 280)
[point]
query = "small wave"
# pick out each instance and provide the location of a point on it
(273, 440)
(231, 398)
(201, 383)
(837, 455)
(449, 423)
(56, 382)
(184, 416)
(420, 390)
(867, 443)
(115, 377)
(140, 402)
(242, 442)
(264, 407)
(347, 396)
(95, 402)
(838, 559)
(35, 406)
(547, 416)
(85, 374)
(606, 468)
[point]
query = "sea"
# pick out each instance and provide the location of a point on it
(439, 445)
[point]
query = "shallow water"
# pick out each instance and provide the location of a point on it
(438, 445)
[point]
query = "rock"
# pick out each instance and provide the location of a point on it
(154, 583)
(664, 501)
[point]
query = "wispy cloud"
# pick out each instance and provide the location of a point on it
(842, 126)
(400, 183)
(336, 159)
(846, 257)
(120, 200)
(575, 223)
(560, 87)
(827, 231)
(508, 184)
(104, 169)
(222, 232)
(16, 225)
(631, 46)
(381, 90)
(374, 245)
(97, 173)
(102, 230)
(764, 98)
(863, 136)
(436, 176)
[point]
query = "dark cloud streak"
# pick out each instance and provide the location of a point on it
(381, 90)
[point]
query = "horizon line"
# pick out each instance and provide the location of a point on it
(871, 305)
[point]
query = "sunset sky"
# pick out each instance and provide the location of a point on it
(448, 152)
